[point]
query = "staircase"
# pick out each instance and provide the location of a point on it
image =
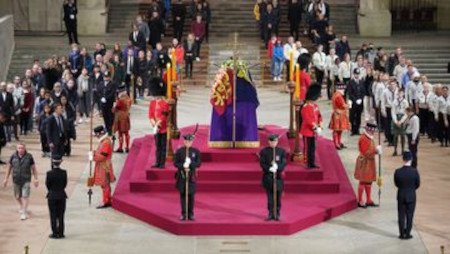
(343, 18)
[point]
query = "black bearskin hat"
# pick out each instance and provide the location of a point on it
(313, 92)
(304, 60)
(157, 87)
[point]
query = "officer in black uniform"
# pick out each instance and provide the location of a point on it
(106, 91)
(407, 180)
(70, 19)
(355, 93)
(56, 182)
(273, 160)
(187, 160)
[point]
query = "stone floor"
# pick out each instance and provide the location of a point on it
(93, 231)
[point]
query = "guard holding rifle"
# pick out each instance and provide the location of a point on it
(273, 160)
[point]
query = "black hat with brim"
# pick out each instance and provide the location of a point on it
(273, 137)
(188, 137)
(99, 129)
(313, 92)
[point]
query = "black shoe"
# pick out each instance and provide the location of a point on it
(313, 166)
(53, 236)
(104, 206)
(2, 162)
(401, 237)
(395, 154)
(191, 217)
(127, 150)
(343, 146)
(269, 217)
(162, 167)
(407, 237)
(182, 217)
(119, 150)
(62, 236)
(155, 166)
(361, 206)
(372, 204)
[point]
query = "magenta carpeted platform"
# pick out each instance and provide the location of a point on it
(230, 199)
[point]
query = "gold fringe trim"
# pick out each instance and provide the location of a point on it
(229, 144)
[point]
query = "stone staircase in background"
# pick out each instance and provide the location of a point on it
(343, 18)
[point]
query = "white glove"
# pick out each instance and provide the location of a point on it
(379, 149)
(273, 169)
(186, 165)
(358, 101)
(103, 100)
(275, 166)
(188, 160)
(318, 130)
(91, 156)
(350, 103)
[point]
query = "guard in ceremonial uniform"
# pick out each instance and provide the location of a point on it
(103, 171)
(187, 160)
(158, 114)
(365, 168)
(339, 118)
(311, 124)
(121, 123)
(273, 160)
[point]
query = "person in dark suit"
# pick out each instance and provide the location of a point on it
(7, 109)
(187, 160)
(179, 15)
(56, 182)
(137, 38)
(106, 91)
(56, 132)
(130, 69)
(70, 19)
(273, 160)
(355, 93)
(407, 180)
(295, 17)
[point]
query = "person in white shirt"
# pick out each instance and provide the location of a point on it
(432, 112)
(423, 100)
(378, 87)
(399, 118)
(411, 90)
(318, 60)
(387, 100)
(359, 64)
(329, 65)
(345, 70)
(287, 49)
(400, 69)
(440, 115)
(412, 132)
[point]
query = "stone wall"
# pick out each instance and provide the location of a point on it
(443, 14)
(6, 44)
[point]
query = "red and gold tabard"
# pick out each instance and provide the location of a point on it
(311, 118)
(305, 83)
(159, 111)
(365, 163)
(339, 118)
(103, 171)
(122, 114)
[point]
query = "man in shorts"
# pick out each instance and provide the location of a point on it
(23, 167)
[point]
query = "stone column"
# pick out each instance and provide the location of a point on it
(374, 18)
(443, 17)
(90, 20)
(6, 44)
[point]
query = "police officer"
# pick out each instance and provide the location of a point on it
(187, 160)
(106, 91)
(407, 180)
(355, 94)
(70, 19)
(56, 182)
(273, 160)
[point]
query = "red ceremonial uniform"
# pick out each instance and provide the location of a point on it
(339, 118)
(103, 171)
(159, 111)
(305, 83)
(365, 170)
(122, 114)
(311, 118)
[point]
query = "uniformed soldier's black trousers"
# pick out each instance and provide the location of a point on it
(309, 144)
(405, 217)
(424, 120)
(387, 126)
(108, 117)
(161, 141)
(355, 117)
(71, 27)
(57, 207)
(191, 200)
(270, 202)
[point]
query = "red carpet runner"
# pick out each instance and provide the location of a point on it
(230, 199)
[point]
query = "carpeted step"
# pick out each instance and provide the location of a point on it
(325, 186)
(237, 172)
